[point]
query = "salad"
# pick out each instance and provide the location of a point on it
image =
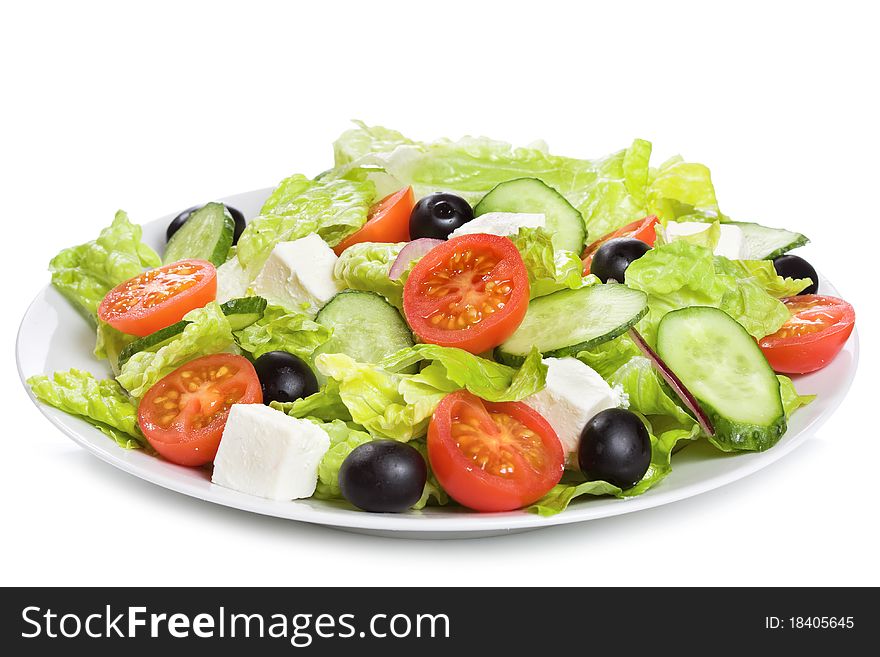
(449, 322)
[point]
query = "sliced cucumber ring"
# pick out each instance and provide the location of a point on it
(767, 243)
(569, 321)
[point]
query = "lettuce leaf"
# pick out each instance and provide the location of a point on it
(609, 192)
(207, 333)
(343, 439)
(549, 270)
(680, 274)
(84, 274)
(332, 208)
(561, 495)
(791, 399)
(281, 330)
(608, 357)
(647, 393)
(102, 403)
(453, 369)
(365, 267)
(110, 343)
(398, 406)
(326, 405)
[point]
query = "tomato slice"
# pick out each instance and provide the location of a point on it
(816, 332)
(493, 456)
(387, 221)
(641, 229)
(184, 414)
(159, 297)
(470, 292)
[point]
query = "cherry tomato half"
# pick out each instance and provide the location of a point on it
(470, 292)
(641, 229)
(159, 297)
(493, 456)
(387, 221)
(816, 332)
(184, 414)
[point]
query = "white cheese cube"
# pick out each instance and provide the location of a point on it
(266, 453)
(299, 275)
(232, 280)
(500, 223)
(573, 395)
(731, 242)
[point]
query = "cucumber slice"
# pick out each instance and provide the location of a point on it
(767, 243)
(723, 367)
(569, 321)
(365, 327)
(564, 223)
(206, 235)
(243, 312)
(240, 313)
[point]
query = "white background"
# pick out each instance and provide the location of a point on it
(157, 108)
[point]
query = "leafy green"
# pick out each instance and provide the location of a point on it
(365, 267)
(609, 192)
(559, 497)
(103, 403)
(326, 405)
(84, 274)
(646, 392)
(373, 398)
(398, 406)
(452, 369)
(343, 439)
(110, 343)
(334, 209)
(791, 399)
(607, 357)
(282, 330)
(208, 332)
(681, 274)
(548, 270)
(763, 274)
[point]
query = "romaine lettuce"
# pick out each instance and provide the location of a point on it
(791, 399)
(281, 330)
(365, 267)
(549, 270)
(84, 274)
(103, 403)
(208, 332)
(332, 208)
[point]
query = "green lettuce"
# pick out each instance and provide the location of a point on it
(398, 406)
(343, 439)
(608, 357)
(84, 274)
(326, 405)
(559, 497)
(110, 343)
(647, 393)
(208, 332)
(365, 267)
(791, 399)
(680, 274)
(334, 209)
(548, 270)
(763, 274)
(608, 192)
(453, 369)
(282, 330)
(102, 403)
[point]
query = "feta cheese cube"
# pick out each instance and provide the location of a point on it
(731, 242)
(266, 453)
(232, 280)
(299, 275)
(573, 395)
(500, 223)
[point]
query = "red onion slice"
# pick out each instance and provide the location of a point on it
(413, 250)
(674, 382)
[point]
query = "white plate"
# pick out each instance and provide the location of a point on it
(53, 337)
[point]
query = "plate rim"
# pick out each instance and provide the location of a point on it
(460, 522)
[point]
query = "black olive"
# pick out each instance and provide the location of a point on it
(792, 266)
(612, 258)
(383, 476)
(284, 377)
(615, 447)
(181, 219)
(437, 215)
